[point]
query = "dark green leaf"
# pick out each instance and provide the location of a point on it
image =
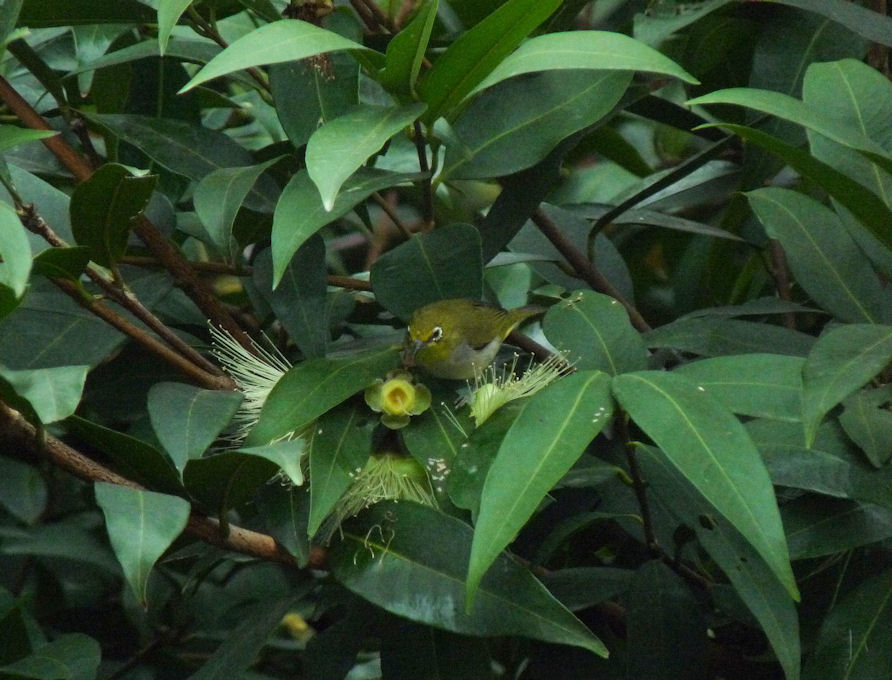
(15, 253)
(822, 256)
(475, 53)
(395, 551)
(515, 124)
(710, 336)
(818, 526)
(405, 51)
(759, 385)
(227, 480)
(187, 419)
(855, 640)
(47, 394)
(342, 442)
(66, 263)
(287, 454)
(425, 653)
(867, 419)
(314, 386)
(12, 135)
(284, 509)
(710, 448)
(299, 301)
(23, 491)
(660, 606)
(596, 331)
(141, 526)
(280, 41)
(545, 440)
(582, 587)
(72, 656)
(443, 264)
(300, 213)
(842, 360)
(169, 12)
(872, 25)
(103, 209)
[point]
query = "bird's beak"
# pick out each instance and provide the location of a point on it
(409, 352)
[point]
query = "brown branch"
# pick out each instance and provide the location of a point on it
(17, 433)
(584, 269)
(781, 275)
(349, 282)
(392, 214)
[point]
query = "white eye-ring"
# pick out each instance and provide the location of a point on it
(436, 334)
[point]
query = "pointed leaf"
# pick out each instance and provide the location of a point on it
(817, 526)
(405, 51)
(300, 213)
(15, 252)
(227, 480)
(710, 336)
(842, 360)
(443, 264)
(753, 579)
(874, 26)
(855, 641)
(72, 656)
(313, 387)
(478, 51)
(47, 394)
(596, 331)
(759, 385)
(338, 148)
(287, 454)
(867, 420)
(590, 50)
(187, 419)
(141, 526)
(822, 256)
(103, 208)
(169, 12)
(546, 439)
(709, 446)
(396, 551)
(285, 40)
(342, 442)
(13, 135)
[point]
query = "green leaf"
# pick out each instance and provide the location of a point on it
(280, 41)
(300, 213)
(514, 125)
(49, 394)
(103, 209)
(72, 656)
(186, 149)
(440, 265)
(342, 442)
(759, 385)
(65, 263)
(187, 419)
(871, 25)
(13, 135)
(240, 650)
(817, 526)
(227, 480)
(546, 439)
(855, 640)
(864, 204)
(287, 454)
(169, 12)
(711, 336)
(583, 587)
(660, 606)
(405, 51)
(15, 252)
(590, 50)
(133, 458)
(220, 195)
(867, 420)
(789, 108)
(313, 387)
(424, 653)
(283, 511)
(842, 360)
(828, 466)
(822, 256)
(141, 526)
(23, 492)
(338, 148)
(753, 579)
(395, 551)
(299, 301)
(478, 51)
(596, 331)
(709, 446)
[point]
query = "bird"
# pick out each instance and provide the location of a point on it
(458, 338)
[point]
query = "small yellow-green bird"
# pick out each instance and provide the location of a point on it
(455, 338)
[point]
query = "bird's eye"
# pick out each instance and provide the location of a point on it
(436, 334)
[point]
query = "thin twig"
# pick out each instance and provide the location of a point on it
(16, 432)
(349, 282)
(584, 269)
(781, 275)
(392, 214)
(207, 267)
(427, 191)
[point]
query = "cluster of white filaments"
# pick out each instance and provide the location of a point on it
(255, 374)
(495, 387)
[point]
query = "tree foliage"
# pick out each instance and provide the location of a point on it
(217, 218)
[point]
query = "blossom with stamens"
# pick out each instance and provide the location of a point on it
(397, 398)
